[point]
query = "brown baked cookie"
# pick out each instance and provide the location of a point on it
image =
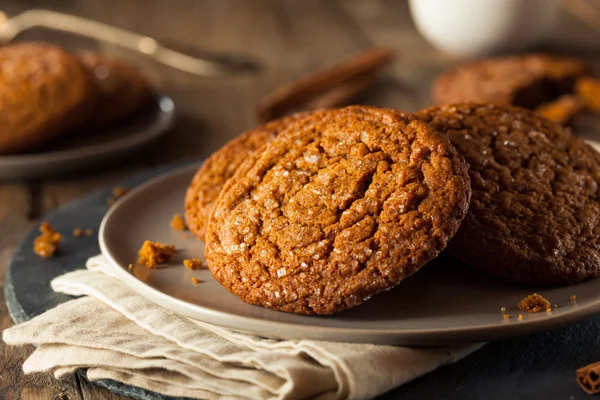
(588, 89)
(120, 89)
(535, 210)
(340, 206)
(220, 166)
(523, 80)
(563, 109)
(44, 92)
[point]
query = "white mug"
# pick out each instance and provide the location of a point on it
(472, 28)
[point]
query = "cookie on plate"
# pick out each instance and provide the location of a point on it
(220, 166)
(535, 210)
(120, 89)
(340, 206)
(44, 93)
(523, 80)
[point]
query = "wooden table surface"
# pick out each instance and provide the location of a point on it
(289, 38)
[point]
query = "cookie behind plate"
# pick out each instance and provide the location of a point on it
(45, 92)
(523, 80)
(340, 206)
(120, 89)
(535, 210)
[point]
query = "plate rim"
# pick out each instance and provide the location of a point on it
(281, 330)
(165, 121)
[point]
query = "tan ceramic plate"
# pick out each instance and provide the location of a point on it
(443, 303)
(84, 150)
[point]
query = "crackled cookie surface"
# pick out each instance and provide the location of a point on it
(340, 206)
(44, 92)
(535, 210)
(220, 166)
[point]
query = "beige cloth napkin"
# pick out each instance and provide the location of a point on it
(119, 335)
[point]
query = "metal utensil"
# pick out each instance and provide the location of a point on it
(207, 64)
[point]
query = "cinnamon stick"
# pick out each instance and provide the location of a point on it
(310, 86)
(344, 94)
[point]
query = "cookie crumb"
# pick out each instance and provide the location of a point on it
(506, 316)
(119, 191)
(573, 298)
(178, 223)
(130, 267)
(588, 378)
(194, 264)
(196, 281)
(88, 232)
(520, 317)
(153, 253)
(78, 232)
(503, 310)
(47, 243)
(533, 303)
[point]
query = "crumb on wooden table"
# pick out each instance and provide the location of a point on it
(196, 281)
(153, 253)
(555, 306)
(47, 243)
(178, 223)
(194, 264)
(78, 232)
(573, 298)
(88, 232)
(506, 316)
(520, 317)
(503, 310)
(533, 303)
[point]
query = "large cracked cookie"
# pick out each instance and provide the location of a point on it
(44, 92)
(220, 166)
(535, 210)
(340, 206)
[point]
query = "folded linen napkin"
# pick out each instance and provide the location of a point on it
(117, 334)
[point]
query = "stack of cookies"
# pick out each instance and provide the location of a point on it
(317, 212)
(48, 93)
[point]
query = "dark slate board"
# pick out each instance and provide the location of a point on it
(540, 366)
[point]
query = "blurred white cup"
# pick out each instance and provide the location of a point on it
(471, 28)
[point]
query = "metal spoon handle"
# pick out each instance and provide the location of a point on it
(121, 37)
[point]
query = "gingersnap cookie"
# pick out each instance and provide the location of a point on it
(523, 80)
(120, 89)
(338, 207)
(44, 93)
(220, 166)
(535, 210)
